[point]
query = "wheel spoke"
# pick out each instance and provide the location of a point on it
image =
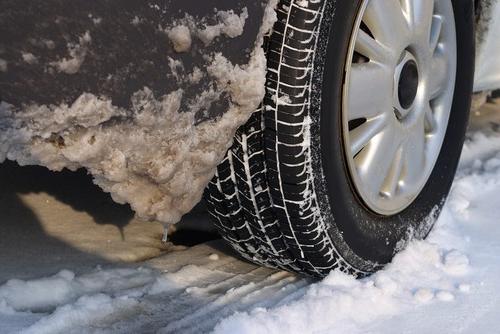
(363, 134)
(370, 48)
(391, 182)
(430, 120)
(386, 21)
(420, 13)
(439, 70)
(437, 24)
(369, 86)
(414, 152)
(375, 164)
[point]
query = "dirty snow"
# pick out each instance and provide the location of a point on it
(3, 65)
(77, 53)
(229, 24)
(445, 284)
(180, 37)
(153, 157)
(29, 58)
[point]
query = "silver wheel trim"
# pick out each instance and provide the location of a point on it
(391, 151)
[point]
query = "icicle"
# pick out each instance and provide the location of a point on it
(165, 233)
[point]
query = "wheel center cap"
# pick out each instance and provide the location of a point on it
(408, 84)
(406, 80)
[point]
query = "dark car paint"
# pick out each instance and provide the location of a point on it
(122, 57)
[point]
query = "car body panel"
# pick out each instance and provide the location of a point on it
(105, 86)
(124, 46)
(130, 49)
(487, 75)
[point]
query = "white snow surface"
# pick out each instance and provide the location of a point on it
(153, 157)
(445, 284)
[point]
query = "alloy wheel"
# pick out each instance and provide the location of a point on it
(397, 98)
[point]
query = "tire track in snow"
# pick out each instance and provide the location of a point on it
(187, 291)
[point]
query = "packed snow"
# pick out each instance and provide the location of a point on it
(155, 156)
(228, 24)
(180, 37)
(445, 284)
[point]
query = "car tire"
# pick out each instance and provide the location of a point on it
(285, 195)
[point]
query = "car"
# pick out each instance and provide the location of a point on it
(328, 132)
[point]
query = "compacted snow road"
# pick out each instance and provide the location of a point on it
(446, 284)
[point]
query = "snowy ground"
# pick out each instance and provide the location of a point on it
(446, 284)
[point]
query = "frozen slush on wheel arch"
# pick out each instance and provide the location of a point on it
(146, 101)
(356, 144)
